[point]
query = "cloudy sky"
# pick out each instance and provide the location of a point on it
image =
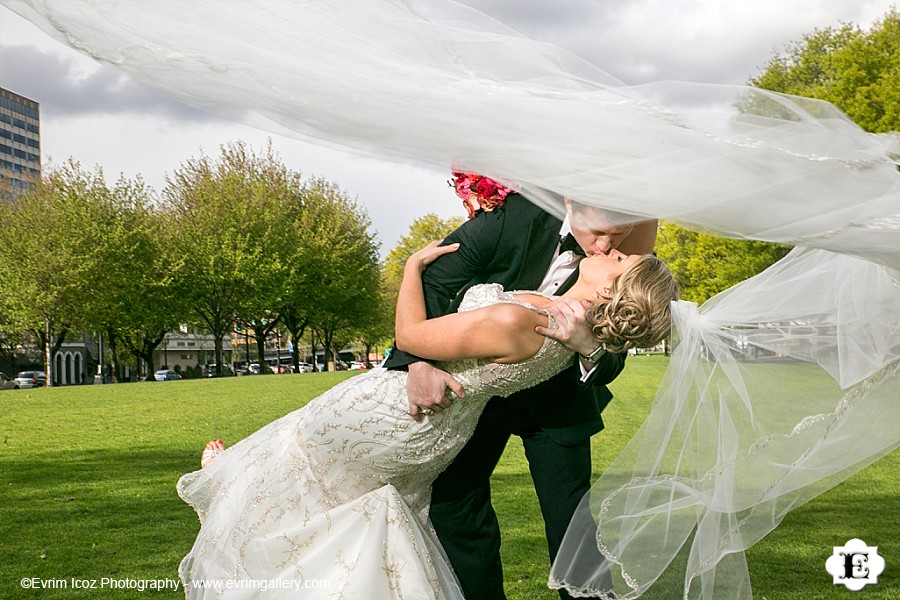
(97, 116)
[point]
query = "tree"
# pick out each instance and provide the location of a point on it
(103, 266)
(301, 293)
(222, 220)
(337, 272)
(261, 310)
(379, 330)
(422, 231)
(704, 265)
(855, 70)
(47, 255)
(134, 302)
(10, 338)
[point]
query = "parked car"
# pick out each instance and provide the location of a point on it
(304, 367)
(357, 366)
(8, 384)
(31, 379)
(210, 371)
(251, 369)
(166, 375)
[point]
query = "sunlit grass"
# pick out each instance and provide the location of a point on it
(87, 487)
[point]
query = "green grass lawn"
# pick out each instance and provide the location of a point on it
(87, 487)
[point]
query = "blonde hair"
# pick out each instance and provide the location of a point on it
(638, 315)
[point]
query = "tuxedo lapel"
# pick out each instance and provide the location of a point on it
(567, 283)
(540, 244)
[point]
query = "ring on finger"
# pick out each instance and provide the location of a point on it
(426, 411)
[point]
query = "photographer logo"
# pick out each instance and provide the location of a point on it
(855, 565)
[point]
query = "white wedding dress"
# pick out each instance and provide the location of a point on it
(331, 500)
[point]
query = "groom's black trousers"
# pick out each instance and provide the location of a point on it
(461, 509)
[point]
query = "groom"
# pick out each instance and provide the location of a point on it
(521, 247)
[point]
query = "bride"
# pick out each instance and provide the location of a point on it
(335, 495)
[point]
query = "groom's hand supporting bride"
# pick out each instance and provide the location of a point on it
(430, 388)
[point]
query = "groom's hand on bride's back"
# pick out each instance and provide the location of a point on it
(427, 387)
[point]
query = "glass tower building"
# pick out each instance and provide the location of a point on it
(20, 143)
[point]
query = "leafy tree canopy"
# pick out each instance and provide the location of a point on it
(423, 231)
(704, 265)
(856, 70)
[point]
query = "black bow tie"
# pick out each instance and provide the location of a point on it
(569, 243)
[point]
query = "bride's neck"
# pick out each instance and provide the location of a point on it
(535, 299)
(580, 291)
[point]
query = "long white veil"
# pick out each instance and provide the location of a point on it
(778, 388)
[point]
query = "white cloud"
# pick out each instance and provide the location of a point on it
(719, 41)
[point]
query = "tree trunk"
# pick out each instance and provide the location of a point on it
(58, 341)
(48, 348)
(113, 346)
(327, 340)
(296, 328)
(148, 347)
(366, 361)
(48, 356)
(295, 343)
(261, 334)
(260, 337)
(220, 356)
(144, 351)
(151, 367)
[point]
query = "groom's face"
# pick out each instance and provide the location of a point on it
(597, 231)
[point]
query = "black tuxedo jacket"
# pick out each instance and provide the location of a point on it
(514, 246)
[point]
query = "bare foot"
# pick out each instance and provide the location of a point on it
(213, 449)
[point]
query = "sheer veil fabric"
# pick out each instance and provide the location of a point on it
(778, 388)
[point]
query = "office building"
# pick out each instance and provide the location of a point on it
(20, 143)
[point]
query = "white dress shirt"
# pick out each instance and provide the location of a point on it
(562, 266)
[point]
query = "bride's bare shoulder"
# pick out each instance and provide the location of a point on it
(515, 324)
(513, 315)
(515, 319)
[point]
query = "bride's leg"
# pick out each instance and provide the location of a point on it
(212, 449)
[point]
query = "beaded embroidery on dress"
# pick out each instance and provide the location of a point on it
(331, 501)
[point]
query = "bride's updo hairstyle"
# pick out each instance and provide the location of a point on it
(638, 315)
